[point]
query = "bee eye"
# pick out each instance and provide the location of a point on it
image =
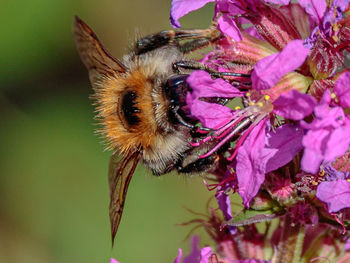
(176, 89)
(129, 109)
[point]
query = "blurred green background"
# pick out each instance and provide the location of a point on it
(53, 172)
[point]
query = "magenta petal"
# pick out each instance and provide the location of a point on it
(338, 142)
(180, 8)
(342, 89)
(324, 144)
(314, 145)
(327, 136)
(210, 114)
(269, 70)
(253, 32)
(205, 87)
(224, 204)
(205, 255)
(228, 26)
(195, 253)
(250, 168)
(115, 261)
(326, 98)
(282, 145)
(329, 117)
(311, 161)
(294, 105)
(178, 258)
(347, 245)
(335, 194)
(326, 117)
(227, 7)
(315, 8)
(342, 4)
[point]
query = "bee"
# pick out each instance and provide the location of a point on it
(141, 105)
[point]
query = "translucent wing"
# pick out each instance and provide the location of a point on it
(97, 60)
(119, 176)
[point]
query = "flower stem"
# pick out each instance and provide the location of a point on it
(291, 242)
(299, 245)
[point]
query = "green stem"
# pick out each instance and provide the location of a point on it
(291, 243)
(299, 245)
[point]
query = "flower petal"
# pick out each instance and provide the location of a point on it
(250, 168)
(228, 26)
(227, 7)
(195, 253)
(115, 261)
(269, 70)
(347, 245)
(315, 8)
(204, 86)
(342, 4)
(338, 142)
(342, 89)
(324, 143)
(205, 254)
(224, 204)
(282, 145)
(180, 8)
(336, 194)
(178, 258)
(333, 174)
(294, 105)
(326, 117)
(311, 161)
(209, 114)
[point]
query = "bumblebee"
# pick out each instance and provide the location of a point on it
(141, 104)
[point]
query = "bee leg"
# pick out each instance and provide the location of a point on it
(188, 64)
(194, 65)
(180, 119)
(193, 45)
(186, 124)
(198, 165)
(163, 38)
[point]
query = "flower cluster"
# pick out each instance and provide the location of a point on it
(276, 116)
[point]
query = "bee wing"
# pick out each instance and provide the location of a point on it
(94, 56)
(119, 176)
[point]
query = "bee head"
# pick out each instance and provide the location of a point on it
(175, 90)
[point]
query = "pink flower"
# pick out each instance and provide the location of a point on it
(327, 136)
(210, 114)
(250, 168)
(336, 194)
(268, 71)
(342, 89)
(180, 8)
(196, 255)
(273, 114)
(294, 105)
